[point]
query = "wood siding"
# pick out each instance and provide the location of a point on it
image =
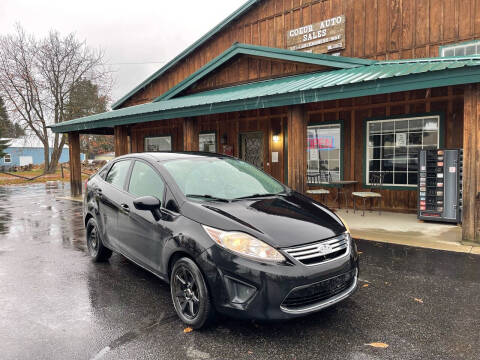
(245, 69)
(447, 101)
(376, 29)
(173, 128)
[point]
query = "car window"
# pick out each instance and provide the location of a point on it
(221, 178)
(103, 172)
(118, 173)
(145, 182)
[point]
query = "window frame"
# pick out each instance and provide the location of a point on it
(127, 177)
(209, 132)
(443, 48)
(158, 136)
(9, 158)
(340, 122)
(441, 144)
(127, 185)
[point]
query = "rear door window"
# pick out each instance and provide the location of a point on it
(145, 181)
(118, 173)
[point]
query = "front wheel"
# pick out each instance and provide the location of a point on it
(97, 250)
(190, 295)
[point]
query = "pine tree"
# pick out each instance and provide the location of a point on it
(8, 128)
(3, 145)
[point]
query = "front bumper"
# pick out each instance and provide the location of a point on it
(245, 288)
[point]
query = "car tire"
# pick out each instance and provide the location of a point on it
(96, 249)
(190, 294)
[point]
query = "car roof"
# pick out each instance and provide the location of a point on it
(168, 155)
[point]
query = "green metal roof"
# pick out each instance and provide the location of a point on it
(377, 78)
(239, 12)
(338, 62)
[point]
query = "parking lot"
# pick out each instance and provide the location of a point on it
(56, 304)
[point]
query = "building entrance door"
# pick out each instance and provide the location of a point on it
(251, 148)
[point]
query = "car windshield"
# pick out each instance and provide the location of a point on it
(221, 179)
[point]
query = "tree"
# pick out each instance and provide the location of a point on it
(85, 100)
(3, 145)
(37, 77)
(8, 128)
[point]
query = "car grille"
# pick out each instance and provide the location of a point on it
(315, 293)
(322, 251)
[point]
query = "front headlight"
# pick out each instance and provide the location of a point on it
(244, 244)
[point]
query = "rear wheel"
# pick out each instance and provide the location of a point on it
(190, 294)
(96, 249)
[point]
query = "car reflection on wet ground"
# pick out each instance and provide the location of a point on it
(56, 304)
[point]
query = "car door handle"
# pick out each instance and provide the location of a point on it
(125, 208)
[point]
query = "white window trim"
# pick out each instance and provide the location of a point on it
(456, 46)
(9, 159)
(367, 160)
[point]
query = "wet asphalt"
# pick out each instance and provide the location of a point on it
(56, 304)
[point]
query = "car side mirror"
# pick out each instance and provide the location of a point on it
(149, 203)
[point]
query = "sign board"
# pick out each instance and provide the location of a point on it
(401, 139)
(322, 37)
(274, 157)
(322, 142)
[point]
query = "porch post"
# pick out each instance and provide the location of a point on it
(75, 164)
(121, 140)
(190, 135)
(297, 162)
(471, 164)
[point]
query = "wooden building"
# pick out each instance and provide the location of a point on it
(355, 87)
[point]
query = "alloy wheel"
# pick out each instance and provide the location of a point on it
(186, 292)
(93, 241)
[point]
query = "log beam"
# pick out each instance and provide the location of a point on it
(190, 135)
(471, 164)
(121, 140)
(75, 164)
(297, 159)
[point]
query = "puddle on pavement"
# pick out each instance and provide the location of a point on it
(40, 217)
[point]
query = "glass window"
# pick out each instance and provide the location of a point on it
(220, 178)
(118, 173)
(159, 143)
(465, 49)
(207, 142)
(145, 181)
(7, 159)
(103, 171)
(393, 146)
(324, 148)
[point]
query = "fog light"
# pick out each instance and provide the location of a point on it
(238, 291)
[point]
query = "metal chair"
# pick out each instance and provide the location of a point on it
(318, 179)
(376, 182)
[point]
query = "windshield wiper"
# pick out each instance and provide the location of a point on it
(206, 196)
(254, 196)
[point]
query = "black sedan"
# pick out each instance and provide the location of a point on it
(226, 236)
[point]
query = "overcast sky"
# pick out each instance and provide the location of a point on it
(138, 37)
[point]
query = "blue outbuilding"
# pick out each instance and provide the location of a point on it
(26, 151)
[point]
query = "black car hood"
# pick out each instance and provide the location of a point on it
(281, 220)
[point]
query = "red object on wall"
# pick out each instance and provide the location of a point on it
(227, 150)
